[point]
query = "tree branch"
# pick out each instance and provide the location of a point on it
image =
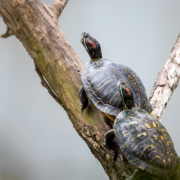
(56, 62)
(7, 33)
(45, 84)
(166, 82)
(58, 6)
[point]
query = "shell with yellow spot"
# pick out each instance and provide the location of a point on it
(145, 142)
(100, 84)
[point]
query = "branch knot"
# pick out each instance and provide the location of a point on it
(58, 6)
(8, 33)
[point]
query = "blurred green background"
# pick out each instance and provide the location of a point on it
(37, 140)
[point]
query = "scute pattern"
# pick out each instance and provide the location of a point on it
(145, 142)
(100, 83)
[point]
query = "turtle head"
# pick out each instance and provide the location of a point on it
(91, 45)
(125, 94)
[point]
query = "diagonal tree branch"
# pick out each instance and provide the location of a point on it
(45, 84)
(166, 82)
(33, 24)
(56, 62)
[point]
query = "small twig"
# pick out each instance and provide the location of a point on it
(44, 84)
(58, 6)
(166, 82)
(8, 33)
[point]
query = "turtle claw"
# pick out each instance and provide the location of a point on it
(82, 110)
(105, 143)
(107, 135)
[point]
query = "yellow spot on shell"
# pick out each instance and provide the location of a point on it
(155, 137)
(144, 133)
(139, 126)
(148, 126)
(164, 163)
(169, 160)
(162, 137)
(113, 96)
(129, 76)
(154, 124)
(126, 133)
(169, 142)
(154, 158)
(146, 148)
(103, 81)
(133, 122)
(97, 102)
(171, 155)
(126, 144)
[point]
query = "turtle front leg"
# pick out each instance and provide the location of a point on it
(83, 98)
(108, 135)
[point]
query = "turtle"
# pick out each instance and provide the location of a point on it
(99, 78)
(144, 141)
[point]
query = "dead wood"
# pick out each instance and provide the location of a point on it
(59, 68)
(166, 82)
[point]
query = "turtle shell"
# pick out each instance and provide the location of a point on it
(100, 83)
(145, 142)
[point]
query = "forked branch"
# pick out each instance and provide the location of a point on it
(166, 82)
(58, 6)
(56, 62)
(7, 33)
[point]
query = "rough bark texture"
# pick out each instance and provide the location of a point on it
(59, 68)
(166, 82)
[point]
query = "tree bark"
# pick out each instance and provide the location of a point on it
(59, 68)
(166, 82)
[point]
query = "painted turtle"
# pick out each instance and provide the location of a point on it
(144, 141)
(100, 76)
